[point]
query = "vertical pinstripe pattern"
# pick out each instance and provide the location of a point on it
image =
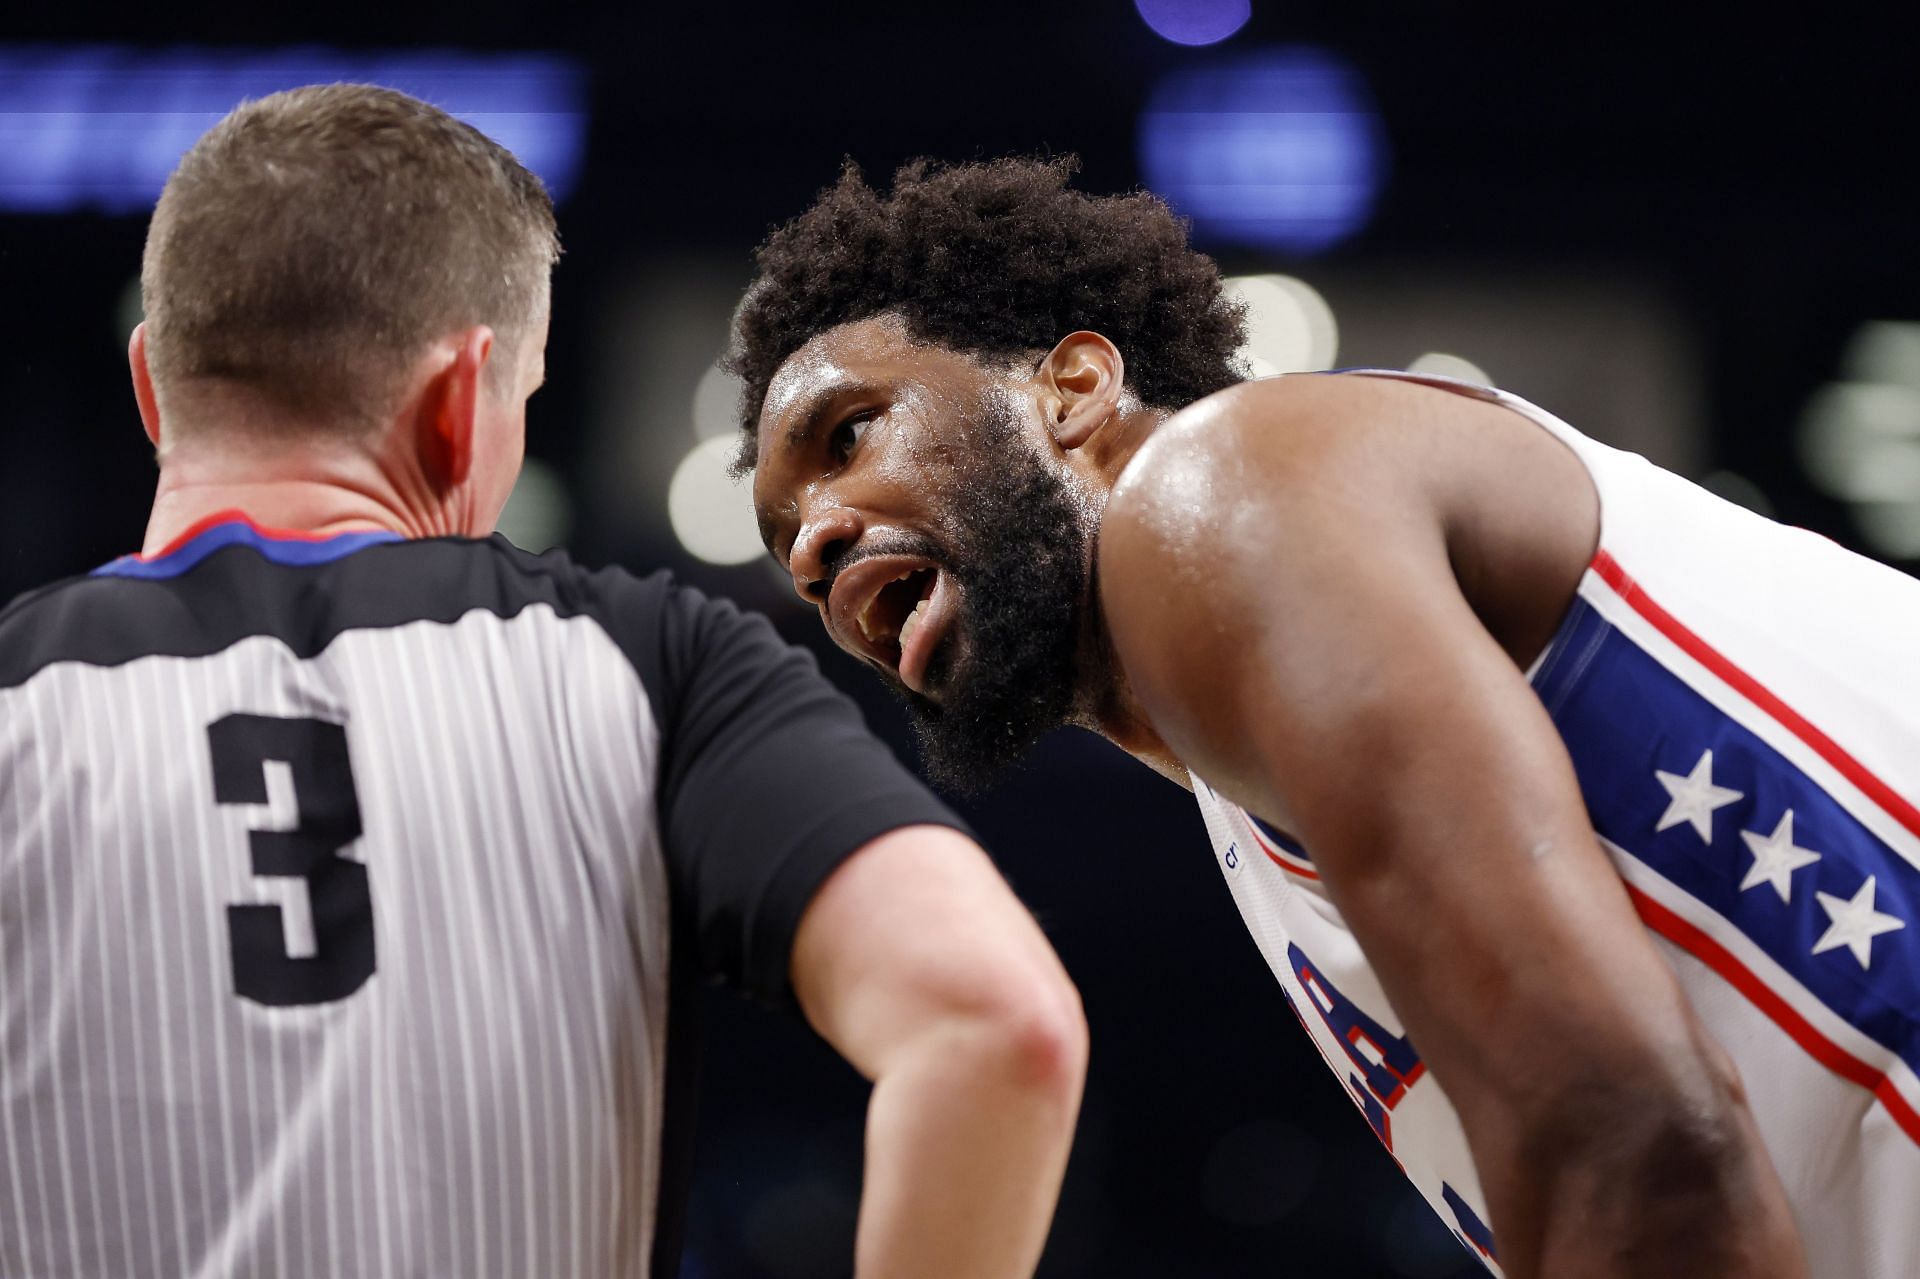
(487, 1103)
(62, 1013)
(16, 1022)
(111, 1052)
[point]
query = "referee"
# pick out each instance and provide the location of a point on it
(355, 866)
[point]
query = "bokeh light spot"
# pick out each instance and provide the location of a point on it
(1860, 438)
(1459, 368)
(1280, 149)
(1290, 327)
(716, 404)
(711, 512)
(102, 126)
(1194, 21)
(539, 513)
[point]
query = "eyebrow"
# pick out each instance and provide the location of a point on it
(815, 408)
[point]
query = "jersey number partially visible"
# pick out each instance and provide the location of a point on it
(315, 752)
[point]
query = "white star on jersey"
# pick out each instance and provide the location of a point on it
(1775, 858)
(1854, 923)
(1694, 797)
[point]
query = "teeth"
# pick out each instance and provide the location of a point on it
(913, 620)
(883, 634)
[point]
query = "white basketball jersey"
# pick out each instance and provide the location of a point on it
(1741, 701)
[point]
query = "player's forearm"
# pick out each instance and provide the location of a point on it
(1691, 1193)
(967, 1140)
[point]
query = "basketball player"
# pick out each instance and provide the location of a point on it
(354, 872)
(1571, 806)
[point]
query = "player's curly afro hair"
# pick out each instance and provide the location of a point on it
(998, 258)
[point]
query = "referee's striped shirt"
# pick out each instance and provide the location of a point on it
(349, 888)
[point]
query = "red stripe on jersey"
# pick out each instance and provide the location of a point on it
(1279, 857)
(1891, 801)
(1697, 943)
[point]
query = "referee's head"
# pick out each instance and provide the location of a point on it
(345, 268)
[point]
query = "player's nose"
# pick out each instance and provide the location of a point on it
(828, 533)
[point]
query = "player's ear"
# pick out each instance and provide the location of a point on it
(448, 415)
(143, 384)
(1081, 380)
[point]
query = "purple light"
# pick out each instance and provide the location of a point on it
(1195, 21)
(1279, 148)
(102, 126)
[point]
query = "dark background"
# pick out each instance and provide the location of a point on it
(1744, 184)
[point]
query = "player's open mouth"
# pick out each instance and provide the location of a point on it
(893, 610)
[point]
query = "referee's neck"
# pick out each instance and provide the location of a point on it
(441, 465)
(313, 490)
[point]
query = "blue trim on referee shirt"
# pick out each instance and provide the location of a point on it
(295, 552)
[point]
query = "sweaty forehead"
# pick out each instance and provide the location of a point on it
(873, 352)
(845, 354)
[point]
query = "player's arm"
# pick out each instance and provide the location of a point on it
(920, 966)
(1278, 585)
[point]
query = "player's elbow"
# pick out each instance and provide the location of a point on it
(1675, 1184)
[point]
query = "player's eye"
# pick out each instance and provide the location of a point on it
(846, 437)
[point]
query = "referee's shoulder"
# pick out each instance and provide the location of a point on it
(16, 610)
(31, 622)
(637, 609)
(555, 574)
(108, 617)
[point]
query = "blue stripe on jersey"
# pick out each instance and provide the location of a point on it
(1285, 843)
(294, 552)
(1623, 716)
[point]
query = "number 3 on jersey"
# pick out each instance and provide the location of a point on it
(315, 751)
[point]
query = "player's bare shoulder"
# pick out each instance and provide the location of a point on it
(1249, 455)
(1278, 490)
(1202, 539)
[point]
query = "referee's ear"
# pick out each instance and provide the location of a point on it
(448, 413)
(143, 384)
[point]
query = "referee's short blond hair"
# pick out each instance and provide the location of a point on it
(314, 241)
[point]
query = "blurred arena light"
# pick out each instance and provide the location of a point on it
(1194, 21)
(1440, 364)
(1738, 489)
(1279, 149)
(1892, 528)
(1861, 442)
(1290, 327)
(716, 404)
(538, 514)
(1860, 437)
(101, 126)
(1885, 351)
(711, 512)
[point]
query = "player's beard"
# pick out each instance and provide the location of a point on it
(1021, 551)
